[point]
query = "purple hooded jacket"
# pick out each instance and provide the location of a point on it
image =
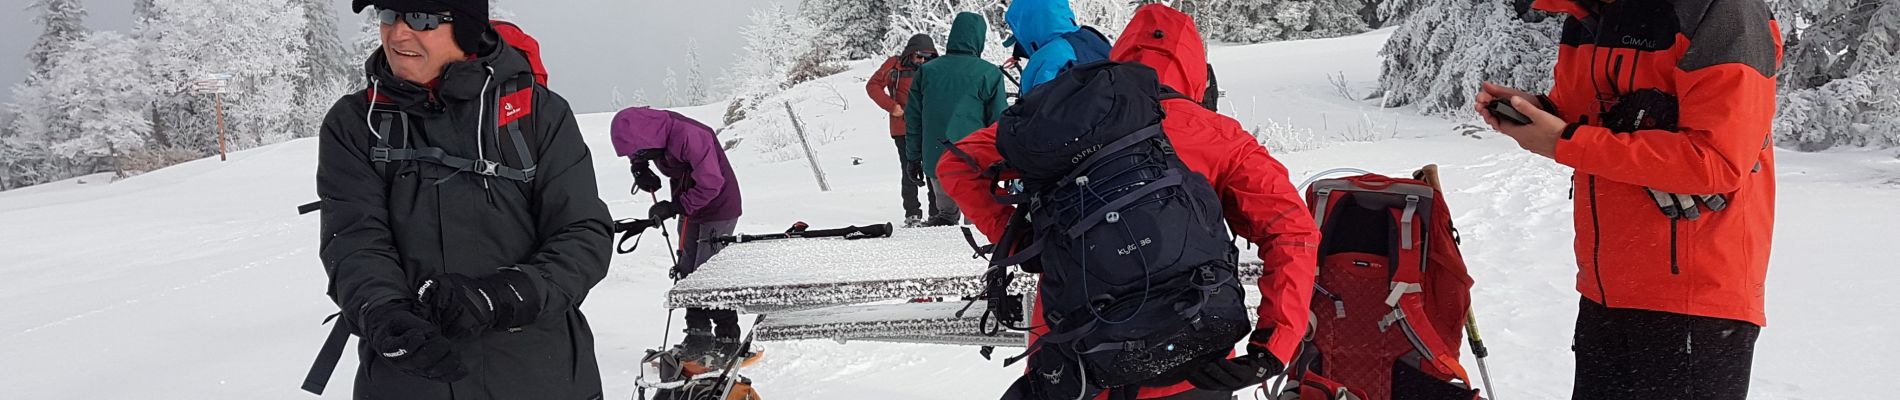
(701, 178)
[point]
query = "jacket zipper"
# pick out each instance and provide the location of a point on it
(1675, 265)
(1596, 243)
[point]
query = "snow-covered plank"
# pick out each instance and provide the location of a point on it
(937, 322)
(801, 274)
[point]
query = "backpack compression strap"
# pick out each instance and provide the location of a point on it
(327, 357)
(510, 109)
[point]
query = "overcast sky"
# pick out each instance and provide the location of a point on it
(589, 46)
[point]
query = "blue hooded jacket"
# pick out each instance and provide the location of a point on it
(1039, 26)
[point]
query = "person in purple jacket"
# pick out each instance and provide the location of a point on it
(705, 197)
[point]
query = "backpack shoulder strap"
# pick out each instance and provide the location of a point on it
(1089, 45)
(515, 109)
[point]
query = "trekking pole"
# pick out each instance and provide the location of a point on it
(1429, 174)
(666, 335)
(1477, 349)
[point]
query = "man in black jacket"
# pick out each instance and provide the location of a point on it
(461, 224)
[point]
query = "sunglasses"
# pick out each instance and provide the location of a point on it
(419, 21)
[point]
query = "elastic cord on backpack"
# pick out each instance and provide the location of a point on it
(1147, 271)
(1323, 174)
(374, 84)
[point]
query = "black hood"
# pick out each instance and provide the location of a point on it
(919, 43)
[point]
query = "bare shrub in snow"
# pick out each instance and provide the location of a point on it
(1283, 137)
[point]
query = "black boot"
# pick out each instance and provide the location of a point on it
(698, 342)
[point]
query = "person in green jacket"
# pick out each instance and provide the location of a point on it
(951, 96)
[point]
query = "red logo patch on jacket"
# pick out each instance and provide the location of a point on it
(515, 106)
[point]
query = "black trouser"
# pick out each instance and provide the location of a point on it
(912, 208)
(1654, 355)
(696, 249)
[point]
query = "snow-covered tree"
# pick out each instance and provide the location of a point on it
(1438, 56)
(774, 39)
(1107, 16)
(853, 29)
(102, 87)
(90, 108)
(1878, 47)
(326, 66)
(1387, 12)
(259, 42)
(622, 100)
(675, 95)
(369, 40)
(1857, 111)
(697, 89)
(496, 11)
(934, 17)
(62, 23)
(143, 10)
(1256, 21)
(1839, 74)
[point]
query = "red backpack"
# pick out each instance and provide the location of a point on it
(1392, 294)
(529, 47)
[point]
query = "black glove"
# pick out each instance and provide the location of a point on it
(643, 177)
(663, 210)
(915, 173)
(497, 302)
(1227, 375)
(679, 272)
(397, 332)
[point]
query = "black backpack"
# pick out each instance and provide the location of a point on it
(1139, 284)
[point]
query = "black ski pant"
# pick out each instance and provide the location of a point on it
(695, 248)
(912, 207)
(1654, 355)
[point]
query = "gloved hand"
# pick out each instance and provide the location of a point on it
(398, 333)
(643, 177)
(462, 305)
(663, 210)
(679, 272)
(915, 173)
(1237, 373)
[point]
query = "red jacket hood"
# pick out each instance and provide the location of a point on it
(1165, 39)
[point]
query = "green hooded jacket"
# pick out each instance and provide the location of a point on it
(953, 95)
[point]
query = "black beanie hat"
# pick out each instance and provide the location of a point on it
(920, 42)
(471, 16)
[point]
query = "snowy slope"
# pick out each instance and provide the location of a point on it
(199, 281)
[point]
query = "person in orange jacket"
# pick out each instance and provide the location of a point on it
(889, 87)
(1664, 110)
(1257, 197)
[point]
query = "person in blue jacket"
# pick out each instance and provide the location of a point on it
(1047, 32)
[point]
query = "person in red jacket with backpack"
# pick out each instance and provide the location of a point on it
(1258, 199)
(1664, 110)
(889, 87)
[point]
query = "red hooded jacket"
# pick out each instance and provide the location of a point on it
(1258, 199)
(889, 87)
(1719, 59)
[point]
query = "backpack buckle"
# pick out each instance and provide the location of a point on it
(487, 168)
(379, 154)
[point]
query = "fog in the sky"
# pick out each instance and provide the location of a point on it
(590, 46)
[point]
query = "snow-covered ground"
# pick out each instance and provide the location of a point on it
(200, 281)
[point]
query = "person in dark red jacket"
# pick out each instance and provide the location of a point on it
(1664, 109)
(1258, 198)
(890, 88)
